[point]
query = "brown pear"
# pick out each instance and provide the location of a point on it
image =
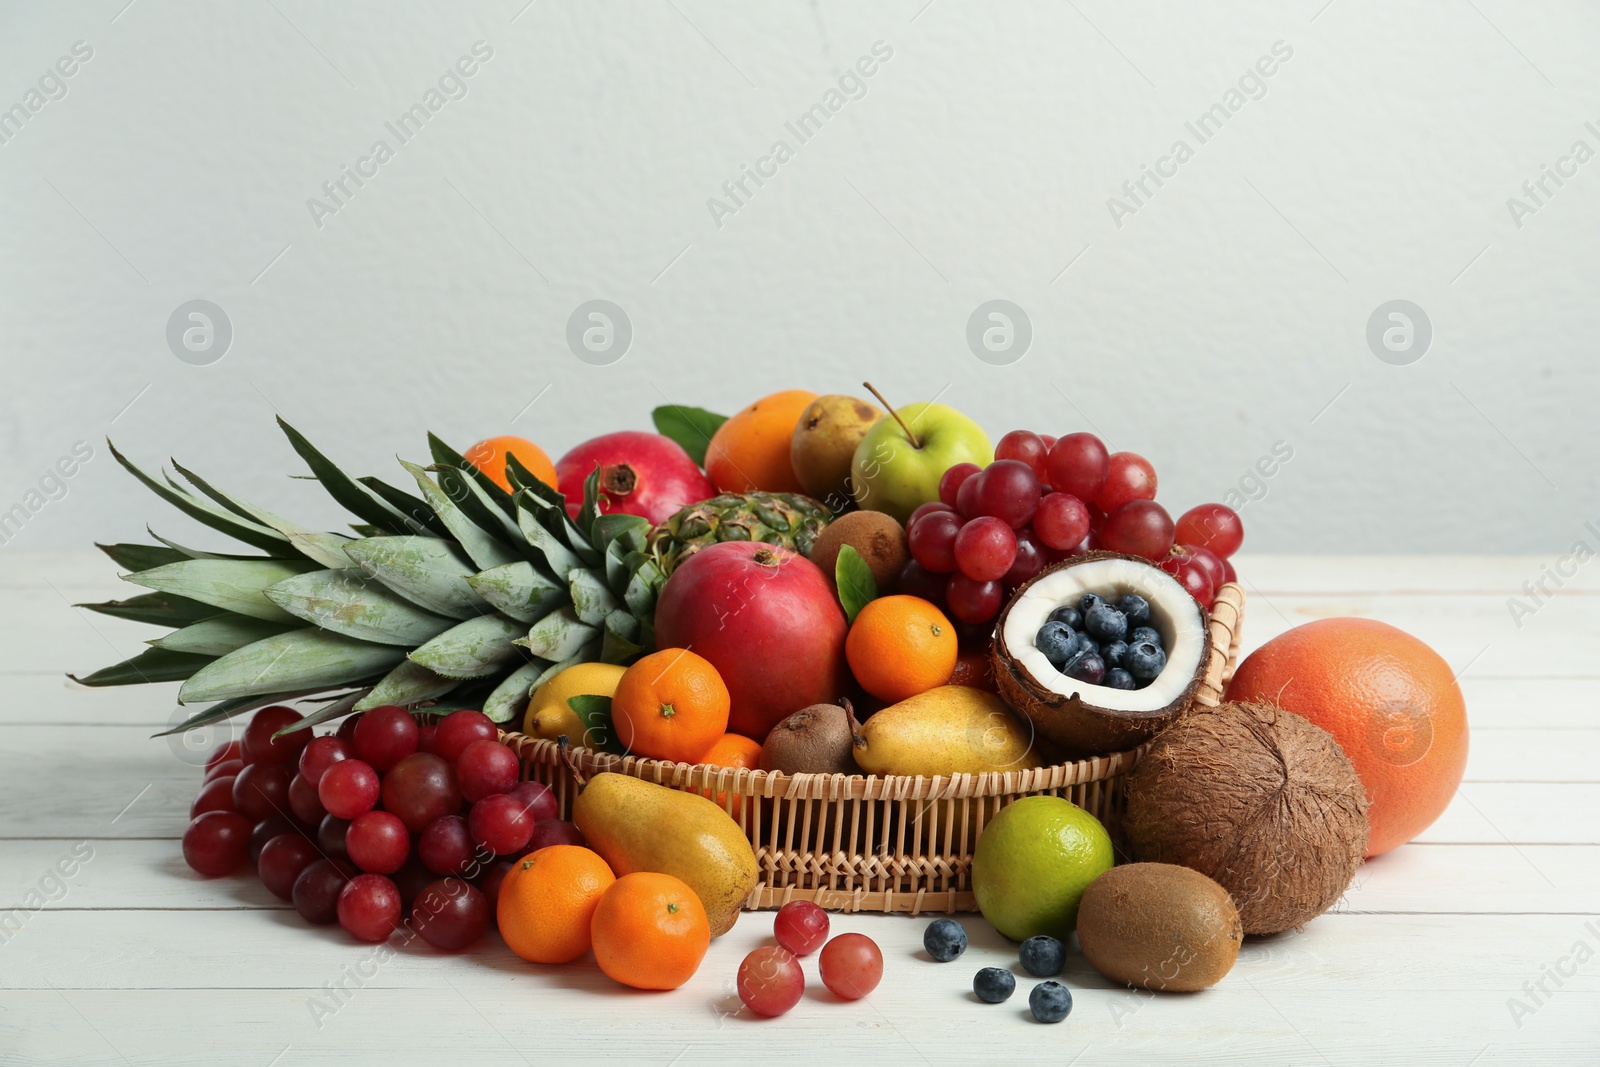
(824, 443)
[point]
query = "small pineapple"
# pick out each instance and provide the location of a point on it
(786, 519)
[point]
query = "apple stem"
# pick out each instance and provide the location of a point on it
(915, 441)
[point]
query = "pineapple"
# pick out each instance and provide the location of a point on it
(786, 519)
(464, 596)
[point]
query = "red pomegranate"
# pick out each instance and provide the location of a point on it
(640, 474)
(766, 619)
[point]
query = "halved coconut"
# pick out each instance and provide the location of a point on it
(1090, 720)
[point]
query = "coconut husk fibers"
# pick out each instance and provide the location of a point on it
(1261, 800)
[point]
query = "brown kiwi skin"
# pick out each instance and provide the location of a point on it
(818, 739)
(1159, 926)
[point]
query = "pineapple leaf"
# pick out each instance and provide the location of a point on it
(591, 500)
(691, 428)
(407, 504)
(446, 456)
(482, 548)
(471, 649)
(408, 684)
(232, 585)
(640, 595)
(323, 548)
(592, 601)
(620, 643)
(630, 530)
(465, 492)
(349, 602)
(151, 665)
(299, 659)
(158, 609)
(351, 494)
(197, 553)
(141, 557)
(217, 518)
(522, 478)
(558, 635)
(223, 710)
(337, 709)
(505, 704)
(519, 590)
(217, 636)
(561, 559)
(427, 571)
(239, 508)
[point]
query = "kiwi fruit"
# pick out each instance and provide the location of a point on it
(878, 537)
(814, 740)
(1159, 926)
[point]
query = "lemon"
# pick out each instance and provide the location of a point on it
(1033, 862)
(549, 715)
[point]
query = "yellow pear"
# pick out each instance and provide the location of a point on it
(952, 729)
(640, 826)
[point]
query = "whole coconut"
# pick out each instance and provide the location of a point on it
(1257, 798)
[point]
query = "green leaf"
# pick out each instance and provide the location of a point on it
(446, 456)
(595, 714)
(141, 557)
(217, 518)
(300, 659)
(857, 586)
(408, 684)
(352, 603)
(591, 599)
(337, 709)
(351, 494)
(471, 649)
(428, 571)
(405, 503)
(158, 609)
(218, 636)
(482, 548)
(521, 477)
(238, 586)
(558, 635)
(467, 494)
(227, 709)
(561, 559)
(151, 665)
(621, 641)
(519, 590)
(690, 427)
(505, 704)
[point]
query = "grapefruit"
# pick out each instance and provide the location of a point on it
(1390, 701)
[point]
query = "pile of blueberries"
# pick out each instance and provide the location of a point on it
(1104, 643)
(1042, 956)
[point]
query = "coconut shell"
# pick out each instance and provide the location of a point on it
(1080, 728)
(1261, 800)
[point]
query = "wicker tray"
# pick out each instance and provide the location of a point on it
(865, 843)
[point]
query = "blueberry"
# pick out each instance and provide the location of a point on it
(1050, 1001)
(1145, 633)
(1087, 601)
(945, 939)
(1086, 667)
(1057, 642)
(1114, 653)
(994, 985)
(1043, 956)
(1105, 623)
(1145, 661)
(1136, 608)
(1068, 614)
(1084, 643)
(1117, 678)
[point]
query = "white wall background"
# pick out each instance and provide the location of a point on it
(1228, 314)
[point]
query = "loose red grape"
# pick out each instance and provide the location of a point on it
(330, 836)
(1029, 560)
(950, 481)
(445, 847)
(369, 907)
(411, 880)
(268, 828)
(486, 768)
(228, 750)
(215, 795)
(1212, 563)
(316, 891)
(1062, 521)
(974, 602)
(490, 881)
(217, 843)
(304, 802)
(1049, 443)
(967, 497)
(851, 966)
(347, 730)
(538, 800)
(349, 788)
(425, 732)
(377, 842)
(226, 769)
(985, 548)
(1009, 491)
(1138, 528)
(1131, 478)
(500, 823)
(281, 861)
(547, 832)
(450, 914)
(319, 755)
(917, 580)
(801, 927)
(770, 980)
(384, 737)
(1191, 574)
(260, 747)
(1026, 446)
(932, 541)
(1228, 573)
(1213, 526)
(260, 790)
(421, 788)
(459, 729)
(1078, 464)
(926, 509)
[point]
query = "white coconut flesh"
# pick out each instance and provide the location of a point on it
(1173, 614)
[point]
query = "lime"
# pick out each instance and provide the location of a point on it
(1034, 860)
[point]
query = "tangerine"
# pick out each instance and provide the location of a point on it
(489, 456)
(670, 705)
(750, 451)
(650, 931)
(730, 750)
(547, 901)
(1390, 701)
(900, 646)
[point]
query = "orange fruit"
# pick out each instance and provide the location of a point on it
(489, 456)
(900, 646)
(730, 750)
(751, 450)
(1390, 701)
(650, 931)
(547, 901)
(670, 705)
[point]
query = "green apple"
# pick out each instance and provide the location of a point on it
(894, 473)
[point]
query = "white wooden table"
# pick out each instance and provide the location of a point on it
(134, 959)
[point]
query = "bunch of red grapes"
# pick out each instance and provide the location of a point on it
(388, 817)
(1045, 499)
